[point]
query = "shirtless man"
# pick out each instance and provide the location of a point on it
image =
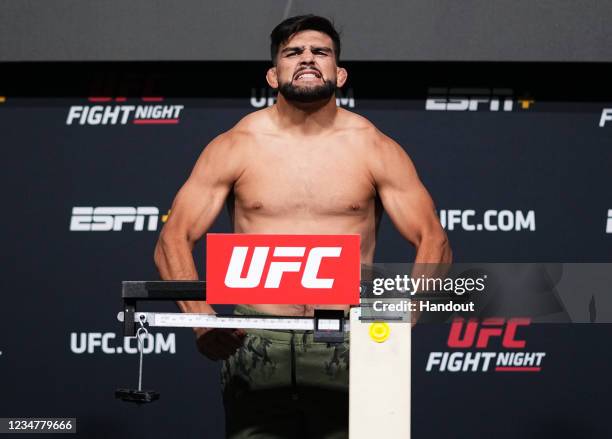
(302, 166)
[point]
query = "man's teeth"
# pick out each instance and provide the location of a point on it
(307, 75)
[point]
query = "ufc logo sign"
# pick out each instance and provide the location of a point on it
(234, 279)
(282, 269)
(471, 334)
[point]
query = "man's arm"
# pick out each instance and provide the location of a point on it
(411, 209)
(194, 209)
(407, 202)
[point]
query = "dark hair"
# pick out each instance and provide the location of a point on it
(292, 25)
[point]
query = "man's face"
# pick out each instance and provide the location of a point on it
(306, 69)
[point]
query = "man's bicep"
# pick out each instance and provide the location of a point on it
(195, 208)
(201, 198)
(403, 195)
(411, 210)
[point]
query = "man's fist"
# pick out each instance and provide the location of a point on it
(219, 343)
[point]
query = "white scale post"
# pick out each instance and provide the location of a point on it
(379, 374)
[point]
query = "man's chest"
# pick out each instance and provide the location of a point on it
(321, 180)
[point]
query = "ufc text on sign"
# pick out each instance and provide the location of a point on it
(282, 269)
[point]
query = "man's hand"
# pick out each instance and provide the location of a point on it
(219, 343)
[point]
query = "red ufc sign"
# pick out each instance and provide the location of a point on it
(282, 269)
(489, 328)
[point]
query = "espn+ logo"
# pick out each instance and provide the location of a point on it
(282, 269)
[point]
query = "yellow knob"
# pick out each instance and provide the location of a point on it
(379, 332)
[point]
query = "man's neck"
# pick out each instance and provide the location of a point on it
(305, 119)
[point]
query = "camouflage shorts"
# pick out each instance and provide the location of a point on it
(281, 384)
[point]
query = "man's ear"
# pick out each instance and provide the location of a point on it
(341, 76)
(271, 77)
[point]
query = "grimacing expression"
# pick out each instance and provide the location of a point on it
(306, 69)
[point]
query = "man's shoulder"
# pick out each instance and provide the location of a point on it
(354, 121)
(241, 134)
(361, 129)
(252, 124)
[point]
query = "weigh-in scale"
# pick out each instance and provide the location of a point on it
(379, 373)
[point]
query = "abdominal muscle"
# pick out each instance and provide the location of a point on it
(327, 225)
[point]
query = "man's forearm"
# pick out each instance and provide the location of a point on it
(434, 250)
(433, 257)
(174, 261)
(432, 260)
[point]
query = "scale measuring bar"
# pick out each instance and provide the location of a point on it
(328, 325)
(197, 320)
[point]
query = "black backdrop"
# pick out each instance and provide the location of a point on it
(546, 167)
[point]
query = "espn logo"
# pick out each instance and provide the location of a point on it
(106, 219)
(490, 328)
(282, 269)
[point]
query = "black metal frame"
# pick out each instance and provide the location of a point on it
(134, 291)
